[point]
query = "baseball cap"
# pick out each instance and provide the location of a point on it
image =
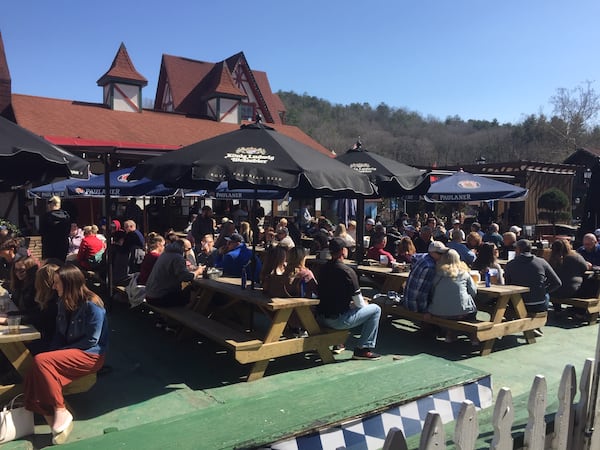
(224, 220)
(455, 221)
(336, 244)
(516, 229)
(597, 232)
(235, 237)
(409, 228)
(371, 221)
(437, 247)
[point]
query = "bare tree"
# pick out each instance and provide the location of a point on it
(577, 108)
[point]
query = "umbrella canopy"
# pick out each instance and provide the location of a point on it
(26, 157)
(224, 193)
(392, 178)
(466, 187)
(256, 157)
(58, 189)
(120, 186)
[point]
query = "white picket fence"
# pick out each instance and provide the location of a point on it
(573, 422)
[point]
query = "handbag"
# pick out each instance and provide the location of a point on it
(15, 422)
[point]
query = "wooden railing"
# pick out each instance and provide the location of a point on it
(573, 422)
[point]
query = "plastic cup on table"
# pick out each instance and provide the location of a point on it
(14, 324)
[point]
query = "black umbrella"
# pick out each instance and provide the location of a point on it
(392, 178)
(256, 157)
(26, 157)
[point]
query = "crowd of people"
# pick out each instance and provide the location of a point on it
(53, 294)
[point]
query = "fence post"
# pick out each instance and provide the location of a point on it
(466, 429)
(433, 436)
(504, 415)
(580, 410)
(395, 440)
(535, 431)
(563, 419)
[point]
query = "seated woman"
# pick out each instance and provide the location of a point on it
(300, 277)
(78, 349)
(22, 285)
(406, 250)
(272, 277)
(91, 249)
(569, 266)
(487, 260)
(453, 291)
(156, 245)
(46, 298)
(340, 231)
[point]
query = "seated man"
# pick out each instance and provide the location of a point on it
(509, 244)
(377, 249)
(207, 253)
(163, 287)
(342, 305)
(466, 255)
(590, 250)
(493, 236)
(419, 286)
(237, 257)
(536, 274)
(282, 237)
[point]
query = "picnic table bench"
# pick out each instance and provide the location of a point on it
(13, 347)
(211, 299)
(589, 305)
(495, 300)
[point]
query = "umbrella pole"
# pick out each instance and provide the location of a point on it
(360, 229)
(254, 238)
(109, 277)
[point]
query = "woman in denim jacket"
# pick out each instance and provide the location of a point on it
(78, 349)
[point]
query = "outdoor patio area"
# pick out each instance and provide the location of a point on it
(159, 392)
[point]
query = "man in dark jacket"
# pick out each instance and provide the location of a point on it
(535, 273)
(54, 229)
(202, 225)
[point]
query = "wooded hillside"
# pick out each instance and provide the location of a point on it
(407, 136)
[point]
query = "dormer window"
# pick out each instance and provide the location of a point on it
(247, 111)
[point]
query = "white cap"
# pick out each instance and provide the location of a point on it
(371, 221)
(597, 233)
(515, 229)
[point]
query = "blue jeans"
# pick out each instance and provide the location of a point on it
(367, 316)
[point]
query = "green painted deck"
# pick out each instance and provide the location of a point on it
(164, 393)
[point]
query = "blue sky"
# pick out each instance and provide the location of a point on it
(473, 58)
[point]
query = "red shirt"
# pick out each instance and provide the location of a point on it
(375, 253)
(90, 245)
(146, 267)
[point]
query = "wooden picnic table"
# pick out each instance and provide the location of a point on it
(13, 347)
(216, 309)
(386, 279)
(504, 320)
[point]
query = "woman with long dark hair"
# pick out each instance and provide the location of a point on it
(78, 349)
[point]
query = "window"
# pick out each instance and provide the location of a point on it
(247, 111)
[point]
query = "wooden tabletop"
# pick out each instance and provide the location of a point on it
(232, 287)
(27, 333)
(501, 289)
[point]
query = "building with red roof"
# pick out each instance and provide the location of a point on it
(194, 100)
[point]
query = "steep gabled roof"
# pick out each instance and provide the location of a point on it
(192, 82)
(4, 72)
(218, 82)
(92, 121)
(183, 75)
(122, 70)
